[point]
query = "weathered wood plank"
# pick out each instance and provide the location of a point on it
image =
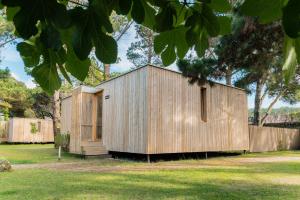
(273, 139)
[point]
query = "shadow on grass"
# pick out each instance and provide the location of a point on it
(190, 184)
(172, 156)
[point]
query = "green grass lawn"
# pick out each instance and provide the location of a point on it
(277, 180)
(32, 153)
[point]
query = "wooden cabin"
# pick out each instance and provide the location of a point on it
(28, 130)
(153, 110)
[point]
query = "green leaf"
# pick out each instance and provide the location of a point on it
(47, 77)
(65, 74)
(88, 32)
(138, 12)
(81, 42)
(11, 12)
(106, 48)
(225, 25)
(291, 18)
(50, 37)
(149, 20)
(202, 44)
(290, 58)
(164, 20)
(170, 43)
(220, 5)
(29, 53)
(78, 68)
(32, 11)
(125, 6)
(194, 22)
(168, 56)
(266, 10)
(210, 21)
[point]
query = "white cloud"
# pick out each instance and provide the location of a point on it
(15, 76)
(30, 84)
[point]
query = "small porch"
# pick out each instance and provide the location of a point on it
(86, 106)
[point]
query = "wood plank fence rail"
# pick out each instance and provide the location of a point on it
(273, 139)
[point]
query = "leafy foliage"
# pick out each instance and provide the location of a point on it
(181, 25)
(142, 52)
(15, 93)
(60, 37)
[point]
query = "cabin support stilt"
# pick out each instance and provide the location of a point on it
(148, 158)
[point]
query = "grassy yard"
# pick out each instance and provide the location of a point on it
(220, 178)
(29, 153)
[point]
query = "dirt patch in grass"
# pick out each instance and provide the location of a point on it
(111, 165)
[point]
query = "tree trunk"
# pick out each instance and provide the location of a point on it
(228, 76)
(56, 112)
(257, 102)
(271, 107)
(106, 71)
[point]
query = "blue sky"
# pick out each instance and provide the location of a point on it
(11, 59)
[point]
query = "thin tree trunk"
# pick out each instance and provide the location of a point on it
(56, 112)
(106, 71)
(257, 102)
(271, 107)
(228, 76)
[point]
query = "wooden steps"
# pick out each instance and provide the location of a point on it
(93, 149)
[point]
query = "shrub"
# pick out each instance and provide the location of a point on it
(5, 166)
(63, 140)
(33, 129)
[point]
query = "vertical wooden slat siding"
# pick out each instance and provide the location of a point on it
(124, 113)
(152, 110)
(273, 139)
(66, 112)
(75, 121)
(20, 131)
(175, 123)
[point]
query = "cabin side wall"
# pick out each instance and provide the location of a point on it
(75, 134)
(125, 112)
(66, 111)
(175, 124)
(20, 130)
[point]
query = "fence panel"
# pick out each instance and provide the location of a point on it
(273, 139)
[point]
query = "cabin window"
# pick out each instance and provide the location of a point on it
(203, 101)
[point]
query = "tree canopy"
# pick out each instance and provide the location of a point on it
(60, 34)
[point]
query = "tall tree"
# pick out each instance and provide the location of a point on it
(142, 52)
(15, 93)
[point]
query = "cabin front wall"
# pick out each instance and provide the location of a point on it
(125, 112)
(175, 124)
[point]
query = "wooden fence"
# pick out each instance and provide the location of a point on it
(273, 139)
(4, 125)
(30, 130)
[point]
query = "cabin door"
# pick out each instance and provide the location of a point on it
(98, 104)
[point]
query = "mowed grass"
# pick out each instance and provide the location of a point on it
(32, 153)
(267, 181)
(219, 179)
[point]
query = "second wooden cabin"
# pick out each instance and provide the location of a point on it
(153, 110)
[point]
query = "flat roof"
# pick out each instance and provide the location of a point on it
(166, 69)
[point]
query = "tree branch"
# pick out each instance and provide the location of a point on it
(77, 3)
(263, 96)
(8, 41)
(271, 106)
(124, 30)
